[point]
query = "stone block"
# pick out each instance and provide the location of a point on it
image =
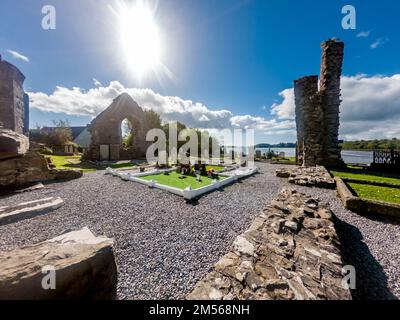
(12, 144)
(84, 269)
(28, 210)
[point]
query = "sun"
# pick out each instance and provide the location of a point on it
(140, 37)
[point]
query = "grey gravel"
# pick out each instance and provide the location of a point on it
(165, 245)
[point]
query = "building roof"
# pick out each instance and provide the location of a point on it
(84, 139)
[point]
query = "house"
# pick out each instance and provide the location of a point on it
(80, 139)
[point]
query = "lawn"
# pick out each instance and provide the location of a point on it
(362, 175)
(287, 160)
(172, 180)
(75, 162)
(214, 167)
(376, 193)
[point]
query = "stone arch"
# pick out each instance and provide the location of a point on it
(107, 134)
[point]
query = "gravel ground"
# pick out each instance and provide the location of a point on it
(164, 245)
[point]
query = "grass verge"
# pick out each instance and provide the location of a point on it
(362, 175)
(370, 192)
(75, 162)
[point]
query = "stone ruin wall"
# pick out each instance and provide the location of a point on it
(105, 131)
(20, 162)
(317, 111)
(14, 102)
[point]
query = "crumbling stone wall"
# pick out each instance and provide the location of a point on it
(14, 102)
(20, 162)
(291, 252)
(317, 111)
(20, 167)
(106, 131)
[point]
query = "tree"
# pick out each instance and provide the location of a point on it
(153, 119)
(60, 135)
(55, 137)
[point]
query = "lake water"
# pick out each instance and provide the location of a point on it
(362, 157)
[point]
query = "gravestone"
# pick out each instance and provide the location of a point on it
(104, 152)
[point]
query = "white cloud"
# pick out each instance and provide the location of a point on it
(18, 56)
(96, 82)
(77, 101)
(370, 107)
(364, 34)
(379, 42)
(285, 110)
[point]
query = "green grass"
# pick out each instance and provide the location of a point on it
(376, 193)
(69, 162)
(123, 165)
(74, 162)
(285, 160)
(362, 175)
(215, 167)
(172, 180)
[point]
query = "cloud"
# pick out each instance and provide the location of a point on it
(364, 34)
(370, 107)
(18, 56)
(285, 110)
(379, 42)
(77, 101)
(96, 82)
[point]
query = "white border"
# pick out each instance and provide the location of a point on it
(187, 193)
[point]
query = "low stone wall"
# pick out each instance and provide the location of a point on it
(364, 206)
(317, 177)
(84, 269)
(290, 252)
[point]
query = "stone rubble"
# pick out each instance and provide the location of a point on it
(317, 177)
(291, 252)
(30, 168)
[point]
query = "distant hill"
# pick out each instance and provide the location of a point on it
(385, 144)
(279, 145)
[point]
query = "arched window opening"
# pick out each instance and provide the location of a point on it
(127, 134)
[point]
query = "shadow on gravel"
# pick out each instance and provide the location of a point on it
(383, 219)
(371, 278)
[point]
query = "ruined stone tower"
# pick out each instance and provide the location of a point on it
(317, 110)
(14, 102)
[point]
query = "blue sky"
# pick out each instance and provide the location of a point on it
(225, 55)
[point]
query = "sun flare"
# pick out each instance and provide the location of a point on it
(140, 37)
